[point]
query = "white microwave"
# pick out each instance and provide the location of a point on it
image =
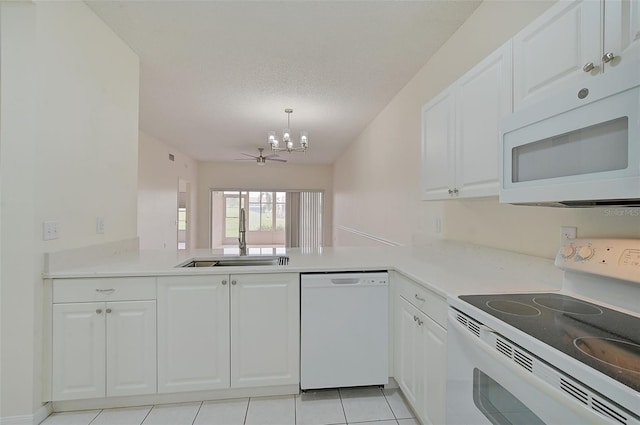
(579, 148)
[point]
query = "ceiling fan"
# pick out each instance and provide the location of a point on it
(261, 159)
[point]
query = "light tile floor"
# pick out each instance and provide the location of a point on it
(371, 405)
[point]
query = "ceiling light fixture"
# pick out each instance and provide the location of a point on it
(286, 138)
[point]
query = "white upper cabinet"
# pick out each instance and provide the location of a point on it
(483, 98)
(572, 42)
(460, 131)
(622, 26)
(438, 144)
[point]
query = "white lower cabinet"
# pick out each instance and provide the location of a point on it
(103, 349)
(193, 333)
(226, 331)
(420, 353)
(265, 330)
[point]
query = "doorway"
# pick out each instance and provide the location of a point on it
(183, 214)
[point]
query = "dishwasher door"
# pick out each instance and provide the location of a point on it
(344, 330)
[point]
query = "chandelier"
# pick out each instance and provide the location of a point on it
(287, 142)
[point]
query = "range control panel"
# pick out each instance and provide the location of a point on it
(617, 258)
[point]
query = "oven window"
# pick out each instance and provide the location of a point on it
(499, 405)
(601, 147)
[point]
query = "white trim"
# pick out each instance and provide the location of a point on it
(34, 419)
(170, 398)
(369, 236)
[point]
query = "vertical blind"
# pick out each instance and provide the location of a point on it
(304, 219)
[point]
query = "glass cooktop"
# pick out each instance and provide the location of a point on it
(604, 339)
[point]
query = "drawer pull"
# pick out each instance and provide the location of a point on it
(108, 310)
(99, 311)
(106, 291)
(419, 298)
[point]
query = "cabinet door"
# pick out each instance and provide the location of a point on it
(78, 351)
(433, 371)
(438, 158)
(131, 348)
(622, 30)
(483, 97)
(551, 52)
(408, 355)
(193, 333)
(265, 329)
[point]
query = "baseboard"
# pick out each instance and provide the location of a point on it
(153, 399)
(35, 419)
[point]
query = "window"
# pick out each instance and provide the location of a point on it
(273, 218)
(232, 205)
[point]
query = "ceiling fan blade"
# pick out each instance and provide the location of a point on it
(246, 154)
(273, 155)
(276, 159)
(246, 159)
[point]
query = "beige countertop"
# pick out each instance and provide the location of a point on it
(445, 267)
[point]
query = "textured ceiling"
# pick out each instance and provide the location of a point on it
(217, 75)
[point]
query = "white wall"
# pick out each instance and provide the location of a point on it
(377, 180)
(269, 177)
(158, 193)
(68, 153)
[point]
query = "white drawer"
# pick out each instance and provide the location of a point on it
(430, 303)
(104, 289)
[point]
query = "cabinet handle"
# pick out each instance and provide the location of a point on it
(415, 318)
(106, 291)
(608, 57)
(419, 321)
(233, 282)
(108, 310)
(99, 311)
(419, 298)
(455, 190)
(224, 282)
(588, 67)
(450, 191)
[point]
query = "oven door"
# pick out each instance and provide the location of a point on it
(486, 387)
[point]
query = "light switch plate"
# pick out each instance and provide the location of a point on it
(50, 230)
(100, 225)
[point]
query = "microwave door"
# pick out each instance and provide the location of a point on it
(585, 154)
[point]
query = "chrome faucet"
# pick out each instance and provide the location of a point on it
(242, 242)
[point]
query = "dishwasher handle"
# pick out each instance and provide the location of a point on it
(346, 281)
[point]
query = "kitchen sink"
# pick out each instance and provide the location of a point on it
(236, 262)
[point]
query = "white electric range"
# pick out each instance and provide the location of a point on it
(571, 357)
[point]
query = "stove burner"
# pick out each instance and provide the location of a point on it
(566, 305)
(513, 307)
(614, 352)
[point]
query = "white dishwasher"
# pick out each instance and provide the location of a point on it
(344, 329)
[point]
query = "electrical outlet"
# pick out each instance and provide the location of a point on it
(50, 230)
(568, 232)
(100, 225)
